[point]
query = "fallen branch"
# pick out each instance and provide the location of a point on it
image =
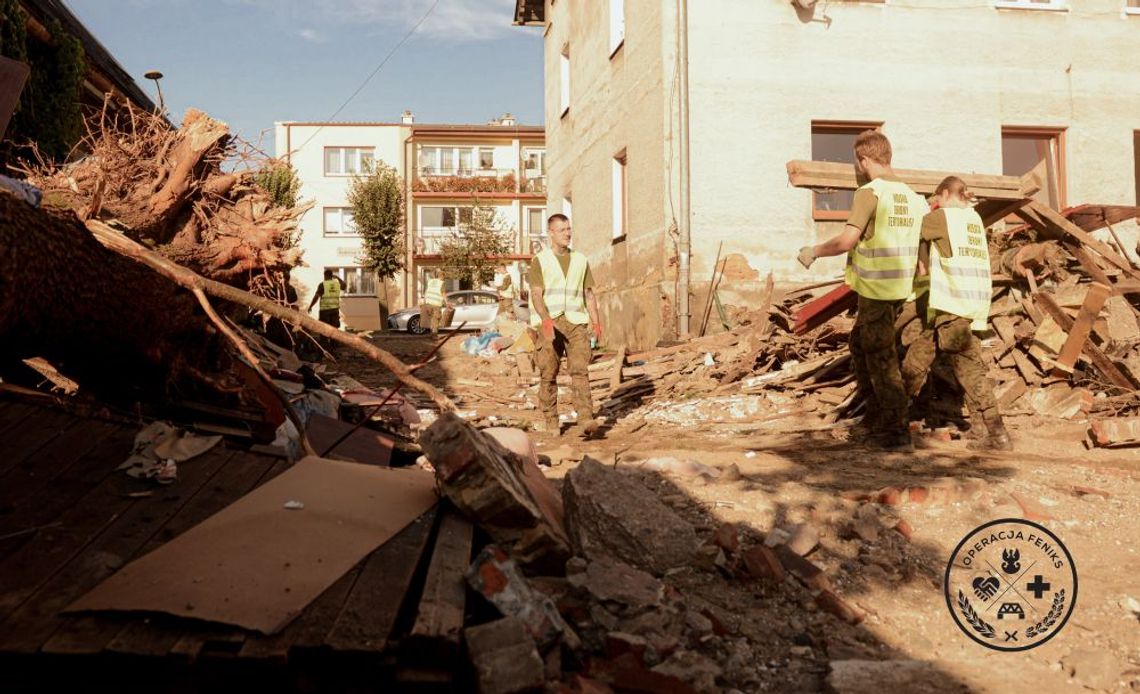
(119, 243)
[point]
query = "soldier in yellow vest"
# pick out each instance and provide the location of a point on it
(431, 310)
(955, 256)
(563, 307)
(328, 293)
(507, 294)
(881, 243)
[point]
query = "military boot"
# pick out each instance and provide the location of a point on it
(996, 438)
(895, 441)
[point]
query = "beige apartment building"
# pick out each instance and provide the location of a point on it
(669, 124)
(446, 169)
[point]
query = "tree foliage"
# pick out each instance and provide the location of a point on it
(469, 254)
(48, 114)
(280, 180)
(377, 201)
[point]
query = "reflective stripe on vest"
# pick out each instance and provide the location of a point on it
(330, 297)
(433, 295)
(882, 267)
(563, 294)
(961, 284)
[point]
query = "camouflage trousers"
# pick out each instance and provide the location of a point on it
(875, 361)
(950, 336)
(431, 317)
(573, 342)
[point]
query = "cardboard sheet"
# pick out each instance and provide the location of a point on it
(256, 564)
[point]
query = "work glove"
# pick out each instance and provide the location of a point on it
(548, 329)
(598, 331)
(806, 256)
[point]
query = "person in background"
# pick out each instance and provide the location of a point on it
(328, 293)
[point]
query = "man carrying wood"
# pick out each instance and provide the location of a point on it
(955, 257)
(563, 306)
(328, 293)
(881, 243)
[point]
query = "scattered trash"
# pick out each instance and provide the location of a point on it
(294, 505)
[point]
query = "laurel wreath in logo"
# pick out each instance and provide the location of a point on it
(979, 624)
(1050, 619)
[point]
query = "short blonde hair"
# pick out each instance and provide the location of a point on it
(873, 145)
(956, 187)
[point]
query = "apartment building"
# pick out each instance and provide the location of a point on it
(447, 169)
(669, 124)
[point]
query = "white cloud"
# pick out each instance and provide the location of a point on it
(312, 35)
(458, 20)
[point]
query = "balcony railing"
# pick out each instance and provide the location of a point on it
(432, 180)
(430, 241)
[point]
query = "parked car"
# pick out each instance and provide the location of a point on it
(478, 308)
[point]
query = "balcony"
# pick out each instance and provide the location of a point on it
(432, 180)
(535, 184)
(429, 241)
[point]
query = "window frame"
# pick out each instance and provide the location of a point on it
(359, 149)
(619, 201)
(837, 126)
(1053, 6)
(338, 234)
(617, 26)
(1059, 134)
(564, 81)
(341, 272)
(1129, 8)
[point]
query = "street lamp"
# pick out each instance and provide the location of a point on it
(156, 76)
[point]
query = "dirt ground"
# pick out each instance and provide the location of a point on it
(764, 477)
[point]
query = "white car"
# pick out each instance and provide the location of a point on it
(478, 308)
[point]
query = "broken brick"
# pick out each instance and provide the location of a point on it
(831, 603)
(917, 495)
(504, 657)
(727, 537)
(808, 573)
(889, 496)
(903, 528)
(761, 562)
(1116, 432)
(497, 578)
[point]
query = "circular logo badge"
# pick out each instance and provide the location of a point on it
(1011, 585)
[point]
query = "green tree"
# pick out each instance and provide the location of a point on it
(377, 201)
(280, 180)
(48, 113)
(469, 254)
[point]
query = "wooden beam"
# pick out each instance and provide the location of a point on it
(834, 175)
(1098, 358)
(1055, 222)
(1079, 334)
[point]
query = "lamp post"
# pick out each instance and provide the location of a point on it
(156, 76)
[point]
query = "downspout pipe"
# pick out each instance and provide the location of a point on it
(685, 226)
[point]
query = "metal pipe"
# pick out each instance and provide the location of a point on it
(684, 230)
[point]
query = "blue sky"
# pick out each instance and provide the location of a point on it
(253, 62)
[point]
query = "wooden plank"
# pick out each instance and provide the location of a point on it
(1079, 334)
(433, 642)
(1056, 223)
(820, 174)
(1098, 358)
(619, 363)
(37, 589)
(22, 442)
(91, 633)
(1087, 262)
(12, 414)
(1028, 371)
(370, 610)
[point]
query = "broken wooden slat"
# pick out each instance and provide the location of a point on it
(1087, 262)
(619, 363)
(1098, 358)
(823, 174)
(1079, 333)
(818, 311)
(1054, 223)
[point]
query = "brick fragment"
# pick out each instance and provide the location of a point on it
(761, 562)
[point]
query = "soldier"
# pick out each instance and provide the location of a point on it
(431, 310)
(881, 242)
(955, 256)
(563, 305)
(328, 293)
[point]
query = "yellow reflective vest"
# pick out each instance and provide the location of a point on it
(882, 267)
(330, 297)
(433, 295)
(564, 294)
(961, 284)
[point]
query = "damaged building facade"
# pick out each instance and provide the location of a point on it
(446, 168)
(669, 124)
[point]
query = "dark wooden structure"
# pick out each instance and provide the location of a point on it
(69, 519)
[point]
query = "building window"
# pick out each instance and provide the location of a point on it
(1026, 149)
(617, 25)
(443, 220)
(338, 222)
(835, 142)
(358, 281)
(1031, 4)
(345, 161)
(536, 228)
(447, 161)
(486, 158)
(1132, 7)
(566, 208)
(620, 195)
(564, 83)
